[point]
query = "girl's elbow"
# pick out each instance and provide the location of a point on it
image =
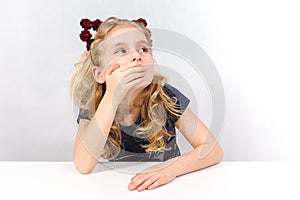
(83, 168)
(219, 154)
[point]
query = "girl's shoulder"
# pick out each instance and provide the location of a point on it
(172, 92)
(181, 101)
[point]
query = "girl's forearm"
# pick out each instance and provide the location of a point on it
(201, 157)
(91, 139)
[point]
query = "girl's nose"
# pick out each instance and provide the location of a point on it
(136, 57)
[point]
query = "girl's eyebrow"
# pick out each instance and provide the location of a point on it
(124, 43)
(119, 44)
(142, 42)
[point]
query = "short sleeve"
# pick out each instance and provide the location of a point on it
(83, 114)
(182, 100)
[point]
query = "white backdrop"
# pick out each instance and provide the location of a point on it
(254, 45)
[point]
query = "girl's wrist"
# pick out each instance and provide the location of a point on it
(110, 101)
(174, 166)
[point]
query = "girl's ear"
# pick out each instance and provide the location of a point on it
(98, 75)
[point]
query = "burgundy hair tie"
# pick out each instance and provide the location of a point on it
(87, 24)
(85, 35)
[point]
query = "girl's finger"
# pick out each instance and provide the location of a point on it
(155, 184)
(136, 176)
(138, 181)
(150, 181)
(112, 68)
(133, 77)
(125, 68)
(133, 70)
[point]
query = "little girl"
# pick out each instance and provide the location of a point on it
(129, 113)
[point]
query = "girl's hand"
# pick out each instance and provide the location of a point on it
(119, 80)
(151, 178)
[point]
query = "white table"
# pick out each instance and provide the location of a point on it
(227, 180)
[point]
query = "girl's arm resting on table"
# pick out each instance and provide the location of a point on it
(91, 136)
(207, 151)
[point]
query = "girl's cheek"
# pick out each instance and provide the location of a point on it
(112, 60)
(149, 59)
(121, 61)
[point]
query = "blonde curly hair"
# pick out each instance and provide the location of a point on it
(86, 93)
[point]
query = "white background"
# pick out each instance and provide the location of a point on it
(255, 46)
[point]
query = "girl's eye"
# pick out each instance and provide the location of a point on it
(143, 49)
(121, 51)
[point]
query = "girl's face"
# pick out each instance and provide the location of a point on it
(128, 47)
